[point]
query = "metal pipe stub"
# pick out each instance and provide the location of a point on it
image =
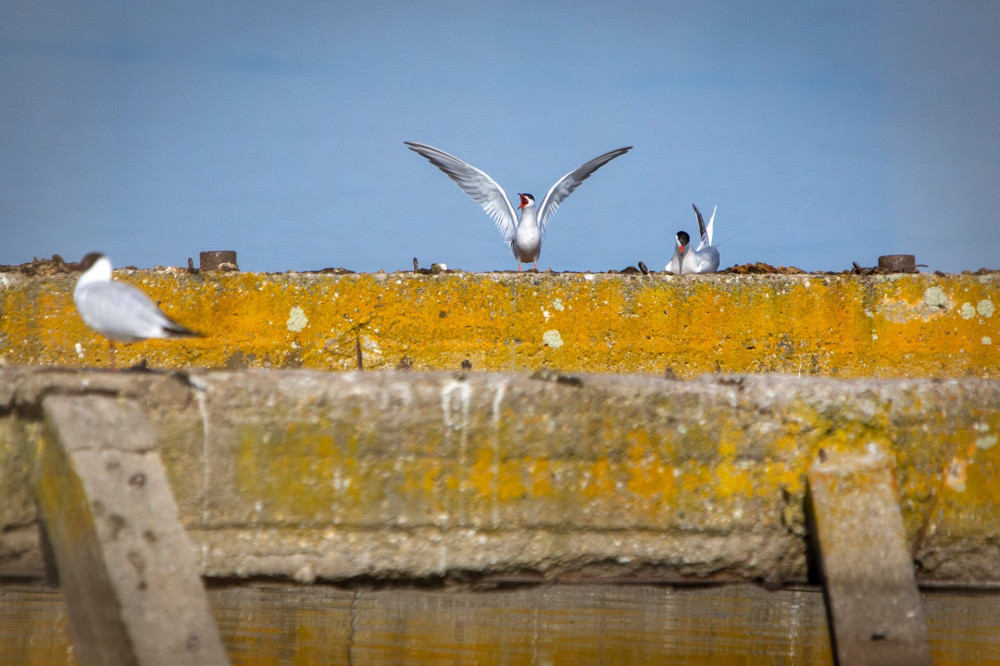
(218, 260)
(898, 263)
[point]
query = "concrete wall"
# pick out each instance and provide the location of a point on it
(839, 326)
(414, 475)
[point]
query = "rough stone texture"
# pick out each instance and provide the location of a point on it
(19, 553)
(126, 567)
(876, 611)
(410, 475)
(820, 325)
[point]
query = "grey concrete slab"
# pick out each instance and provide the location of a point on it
(414, 475)
(132, 588)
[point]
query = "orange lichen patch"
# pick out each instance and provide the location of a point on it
(781, 477)
(509, 481)
(697, 481)
(482, 474)
(844, 326)
(598, 481)
(650, 476)
(652, 479)
(495, 480)
(540, 475)
(969, 493)
(984, 474)
(421, 478)
(733, 480)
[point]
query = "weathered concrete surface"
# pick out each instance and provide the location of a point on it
(877, 616)
(132, 589)
(404, 474)
(840, 326)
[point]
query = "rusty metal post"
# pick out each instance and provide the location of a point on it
(872, 599)
(900, 263)
(218, 260)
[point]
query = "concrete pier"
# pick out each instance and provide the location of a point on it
(517, 429)
(404, 475)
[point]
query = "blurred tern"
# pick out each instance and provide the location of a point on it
(525, 235)
(119, 311)
(704, 258)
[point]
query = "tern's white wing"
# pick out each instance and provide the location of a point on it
(705, 230)
(705, 260)
(476, 183)
(122, 312)
(565, 185)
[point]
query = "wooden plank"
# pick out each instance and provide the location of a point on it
(874, 606)
(127, 569)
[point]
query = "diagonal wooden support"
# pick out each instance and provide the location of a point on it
(127, 570)
(872, 599)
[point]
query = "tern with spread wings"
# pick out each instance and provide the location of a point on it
(524, 235)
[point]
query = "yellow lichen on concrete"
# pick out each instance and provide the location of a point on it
(650, 477)
(969, 492)
(348, 456)
(540, 475)
(844, 326)
(598, 481)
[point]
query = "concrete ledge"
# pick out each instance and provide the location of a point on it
(839, 326)
(408, 475)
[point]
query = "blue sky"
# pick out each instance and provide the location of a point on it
(827, 132)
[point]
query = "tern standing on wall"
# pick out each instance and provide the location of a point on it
(119, 311)
(525, 235)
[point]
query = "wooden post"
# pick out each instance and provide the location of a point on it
(875, 611)
(129, 578)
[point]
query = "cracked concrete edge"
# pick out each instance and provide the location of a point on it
(427, 554)
(378, 474)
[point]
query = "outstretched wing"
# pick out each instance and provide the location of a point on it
(565, 185)
(704, 230)
(476, 183)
